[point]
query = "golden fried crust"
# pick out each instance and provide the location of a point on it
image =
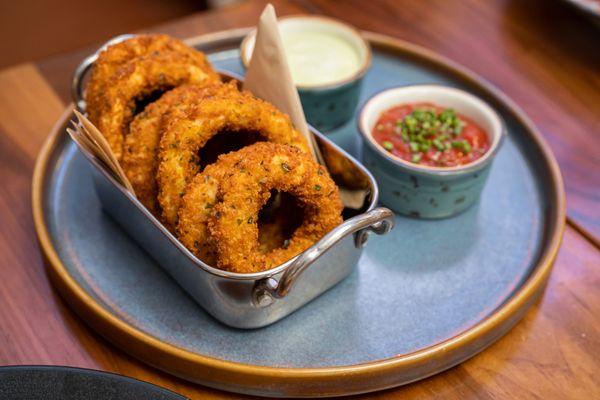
(197, 206)
(272, 234)
(139, 79)
(185, 135)
(343, 170)
(262, 168)
(118, 54)
(116, 85)
(140, 156)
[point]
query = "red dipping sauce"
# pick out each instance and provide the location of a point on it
(426, 134)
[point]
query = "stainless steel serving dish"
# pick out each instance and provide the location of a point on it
(257, 299)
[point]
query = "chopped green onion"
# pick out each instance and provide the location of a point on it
(438, 144)
(416, 157)
(425, 129)
(462, 145)
(419, 115)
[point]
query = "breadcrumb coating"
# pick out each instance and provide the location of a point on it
(118, 84)
(140, 157)
(263, 167)
(185, 136)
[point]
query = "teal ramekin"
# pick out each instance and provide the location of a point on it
(422, 191)
(332, 104)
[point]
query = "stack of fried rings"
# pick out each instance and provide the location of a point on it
(134, 69)
(215, 211)
(140, 160)
(220, 207)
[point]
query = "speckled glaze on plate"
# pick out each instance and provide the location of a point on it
(424, 298)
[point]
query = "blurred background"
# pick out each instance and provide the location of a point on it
(34, 29)
(542, 53)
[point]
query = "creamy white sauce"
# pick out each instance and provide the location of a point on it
(319, 57)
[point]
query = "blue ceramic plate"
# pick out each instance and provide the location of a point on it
(425, 297)
(68, 383)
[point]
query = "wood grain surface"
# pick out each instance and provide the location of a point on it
(538, 55)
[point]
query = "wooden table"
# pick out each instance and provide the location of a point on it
(539, 52)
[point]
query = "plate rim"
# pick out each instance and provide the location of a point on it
(335, 380)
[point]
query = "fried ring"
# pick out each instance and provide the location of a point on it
(114, 56)
(197, 207)
(140, 153)
(185, 137)
(262, 168)
(139, 79)
(277, 220)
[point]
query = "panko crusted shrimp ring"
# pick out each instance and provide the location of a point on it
(113, 57)
(140, 152)
(185, 136)
(139, 79)
(262, 168)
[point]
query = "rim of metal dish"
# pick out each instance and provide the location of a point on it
(336, 380)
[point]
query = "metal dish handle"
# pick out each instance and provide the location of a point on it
(379, 220)
(83, 68)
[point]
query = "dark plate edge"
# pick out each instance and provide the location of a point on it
(93, 372)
